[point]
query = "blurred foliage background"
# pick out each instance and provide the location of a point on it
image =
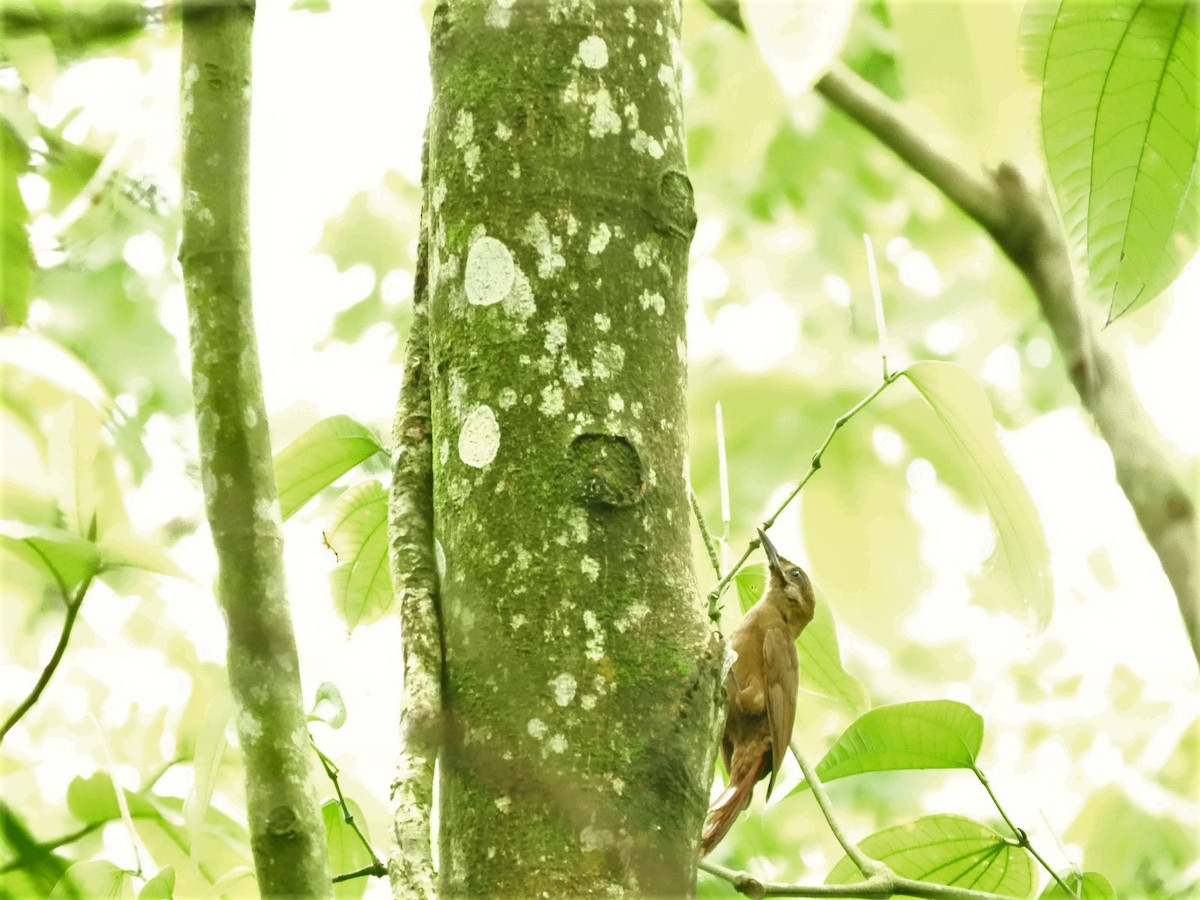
(1092, 731)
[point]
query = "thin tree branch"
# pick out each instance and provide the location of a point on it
(414, 562)
(705, 534)
(287, 835)
(376, 868)
(73, 604)
(1023, 223)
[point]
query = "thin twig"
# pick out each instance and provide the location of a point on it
(73, 605)
(377, 868)
(1021, 835)
(705, 534)
(714, 595)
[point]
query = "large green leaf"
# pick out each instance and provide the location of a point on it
(319, 457)
(821, 669)
(160, 887)
(362, 583)
(963, 407)
(924, 734)
(1087, 886)
(94, 799)
(946, 850)
(1121, 133)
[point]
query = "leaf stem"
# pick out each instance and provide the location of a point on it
(705, 534)
(714, 595)
(1020, 833)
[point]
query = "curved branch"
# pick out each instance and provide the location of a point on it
(414, 563)
(1023, 223)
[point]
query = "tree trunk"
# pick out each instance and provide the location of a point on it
(581, 680)
(286, 830)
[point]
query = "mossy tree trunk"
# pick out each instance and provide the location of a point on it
(287, 835)
(581, 677)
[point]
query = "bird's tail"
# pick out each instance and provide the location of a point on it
(733, 800)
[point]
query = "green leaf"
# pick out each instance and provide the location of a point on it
(16, 255)
(1121, 136)
(160, 887)
(362, 584)
(329, 707)
(96, 880)
(94, 799)
(119, 548)
(346, 851)
(946, 850)
(821, 670)
(963, 407)
(66, 557)
(924, 734)
(1088, 886)
(319, 457)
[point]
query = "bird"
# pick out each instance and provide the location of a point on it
(761, 690)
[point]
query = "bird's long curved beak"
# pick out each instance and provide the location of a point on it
(772, 553)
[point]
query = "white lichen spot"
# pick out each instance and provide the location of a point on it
(503, 131)
(590, 568)
(537, 234)
(490, 272)
(643, 143)
(631, 116)
(249, 728)
(572, 230)
(503, 803)
(633, 616)
(588, 701)
(604, 115)
(630, 15)
(642, 60)
(250, 417)
(658, 28)
(464, 129)
(643, 254)
(593, 52)
(654, 301)
(536, 729)
(608, 360)
(666, 75)
(552, 401)
(616, 403)
(524, 558)
(564, 688)
(599, 239)
(636, 408)
(594, 649)
(681, 349)
(471, 158)
(603, 322)
(571, 373)
(480, 437)
(618, 786)
(445, 451)
(558, 743)
(520, 300)
(556, 334)
(593, 839)
(517, 621)
(508, 398)
(578, 523)
(514, 171)
(545, 365)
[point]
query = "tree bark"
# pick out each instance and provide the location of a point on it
(581, 683)
(286, 831)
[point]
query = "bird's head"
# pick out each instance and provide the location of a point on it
(790, 586)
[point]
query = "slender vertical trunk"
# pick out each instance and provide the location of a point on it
(581, 682)
(286, 832)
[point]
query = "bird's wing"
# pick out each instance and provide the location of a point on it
(782, 670)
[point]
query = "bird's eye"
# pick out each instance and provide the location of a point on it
(794, 573)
